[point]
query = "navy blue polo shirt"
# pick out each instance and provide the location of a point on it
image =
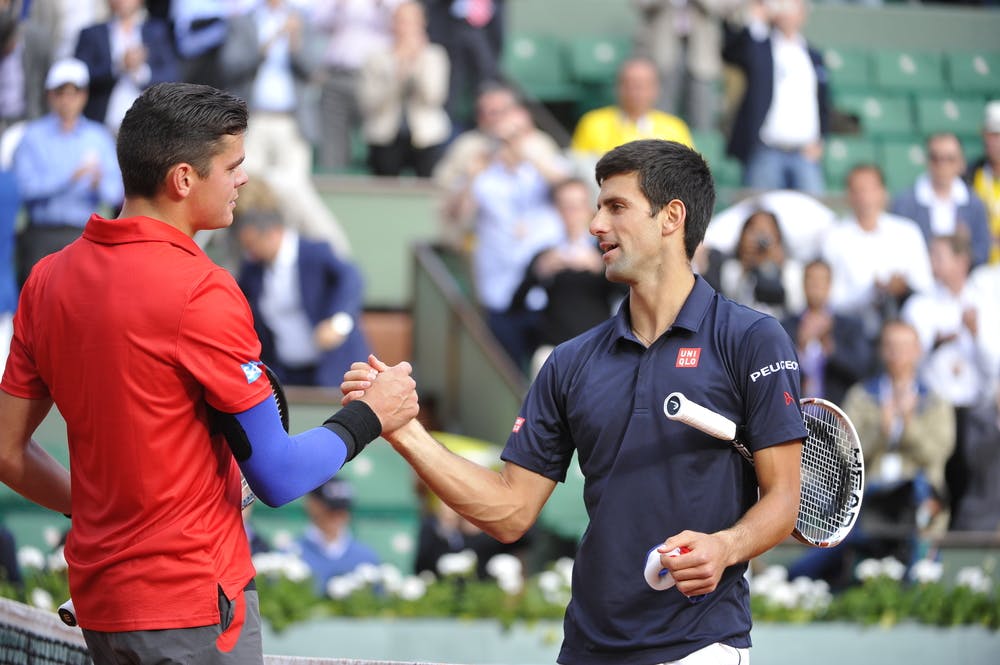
(648, 477)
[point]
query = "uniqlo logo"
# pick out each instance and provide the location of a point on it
(688, 357)
(517, 424)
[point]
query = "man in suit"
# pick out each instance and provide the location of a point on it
(124, 56)
(306, 302)
(779, 128)
(941, 203)
(833, 351)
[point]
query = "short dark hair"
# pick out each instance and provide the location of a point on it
(173, 123)
(667, 170)
(861, 168)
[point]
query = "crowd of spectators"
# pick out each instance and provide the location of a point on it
(894, 305)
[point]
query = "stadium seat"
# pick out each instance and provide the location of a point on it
(565, 513)
(850, 69)
(961, 116)
(383, 482)
(843, 153)
(712, 145)
(974, 72)
(537, 64)
(595, 60)
(394, 539)
(972, 148)
(909, 71)
(879, 115)
(902, 161)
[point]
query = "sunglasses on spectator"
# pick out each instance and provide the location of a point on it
(939, 157)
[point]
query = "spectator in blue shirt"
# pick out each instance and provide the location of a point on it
(327, 546)
(649, 480)
(65, 167)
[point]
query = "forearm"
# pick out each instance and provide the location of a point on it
(279, 467)
(484, 497)
(38, 477)
(767, 523)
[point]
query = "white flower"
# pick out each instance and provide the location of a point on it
(30, 557)
(52, 536)
(868, 569)
(926, 571)
(564, 566)
(504, 565)
(295, 569)
(428, 577)
(550, 582)
(511, 584)
(342, 586)
(765, 582)
(460, 563)
(893, 568)
(784, 595)
(42, 599)
(412, 588)
(974, 578)
(367, 573)
(57, 560)
(392, 578)
(282, 540)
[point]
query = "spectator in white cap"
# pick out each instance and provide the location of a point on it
(984, 175)
(66, 167)
(327, 546)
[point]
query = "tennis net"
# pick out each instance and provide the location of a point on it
(30, 636)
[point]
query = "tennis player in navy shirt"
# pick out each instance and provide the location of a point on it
(649, 479)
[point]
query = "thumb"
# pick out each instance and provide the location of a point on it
(376, 363)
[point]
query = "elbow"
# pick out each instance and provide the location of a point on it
(509, 530)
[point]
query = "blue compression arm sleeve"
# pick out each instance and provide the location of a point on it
(280, 467)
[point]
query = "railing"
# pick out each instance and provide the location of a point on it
(461, 370)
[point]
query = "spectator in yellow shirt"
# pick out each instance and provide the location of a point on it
(634, 117)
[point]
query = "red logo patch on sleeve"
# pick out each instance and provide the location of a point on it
(688, 357)
(788, 398)
(517, 424)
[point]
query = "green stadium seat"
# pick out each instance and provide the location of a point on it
(726, 171)
(565, 513)
(595, 60)
(961, 116)
(972, 148)
(842, 154)
(537, 64)
(394, 539)
(902, 161)
(850, 69)
(974, 72)
(879, 115)
(383, 482)
(909, 71)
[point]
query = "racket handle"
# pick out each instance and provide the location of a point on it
(67, 613)
(678, 407)
(659, 578)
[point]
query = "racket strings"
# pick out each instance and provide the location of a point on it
(825, 500)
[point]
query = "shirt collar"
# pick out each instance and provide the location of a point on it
(924, 192)
(137, 229)
(689, 318)
(288, 252)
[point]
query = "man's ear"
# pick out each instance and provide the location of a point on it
(179, 181)
(672, 217)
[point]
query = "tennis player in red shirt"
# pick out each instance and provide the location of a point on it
(147, 348)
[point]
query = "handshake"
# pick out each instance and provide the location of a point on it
(390, 392)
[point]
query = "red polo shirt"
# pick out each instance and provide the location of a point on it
(133, 331)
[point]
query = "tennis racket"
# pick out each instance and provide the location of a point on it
(832, 472)
(282, 403)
